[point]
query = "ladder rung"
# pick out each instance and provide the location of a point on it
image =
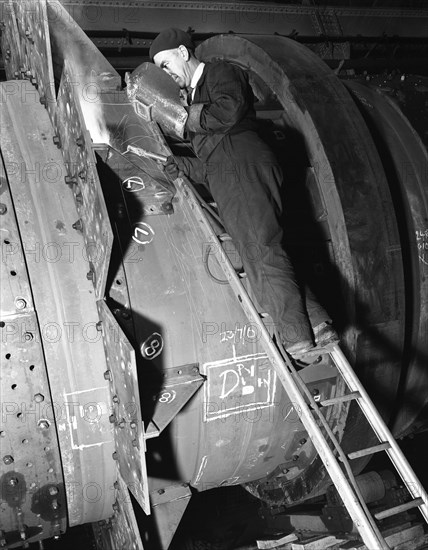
(341, 398)
(398, 509)
(369, 451)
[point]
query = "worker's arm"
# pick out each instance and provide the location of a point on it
(190, 167)
(230, 99)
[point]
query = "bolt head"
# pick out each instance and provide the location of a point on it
(107, 375)
(8, 459)
(39, 398)
(70, 180)
(20, 303)
(78, 225)
(13, 482)
(53, 490)
(3, 208)
(43, 424)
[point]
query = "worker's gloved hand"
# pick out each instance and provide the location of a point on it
(172, 168)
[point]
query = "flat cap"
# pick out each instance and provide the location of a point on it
(169, 39)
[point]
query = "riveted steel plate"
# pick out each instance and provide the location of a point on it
(126, 417)
(81, 165)
(10, 45)
(33, 31)
(121, 530)
(65, 303)
(31, 480)
(15, 292)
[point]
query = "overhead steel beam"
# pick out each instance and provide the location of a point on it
(240, 17)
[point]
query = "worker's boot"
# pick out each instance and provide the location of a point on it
(325, 334)
(305, 353)
(300, 348)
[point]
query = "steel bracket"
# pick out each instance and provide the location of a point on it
(126, 409)
(180, 384)
(168, 506)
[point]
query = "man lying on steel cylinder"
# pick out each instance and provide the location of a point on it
(244, 178)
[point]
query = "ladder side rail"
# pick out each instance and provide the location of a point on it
(372, 538)
(329, 431)
(381, 430)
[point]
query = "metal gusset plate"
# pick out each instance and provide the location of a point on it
(35, 48)
(121, 530)
(169, 504)
(180, 384)
(126, 415)
(10, 45)
(82, 177)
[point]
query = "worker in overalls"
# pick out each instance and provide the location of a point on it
(244, 179)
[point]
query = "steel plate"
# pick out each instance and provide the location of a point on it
(13, 272)
(126, 416)
(31, 480)
(33, 31)
(121, 531)
(81, 166)
(10, 45)
(65, 304)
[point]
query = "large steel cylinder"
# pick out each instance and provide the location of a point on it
(344, 228)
